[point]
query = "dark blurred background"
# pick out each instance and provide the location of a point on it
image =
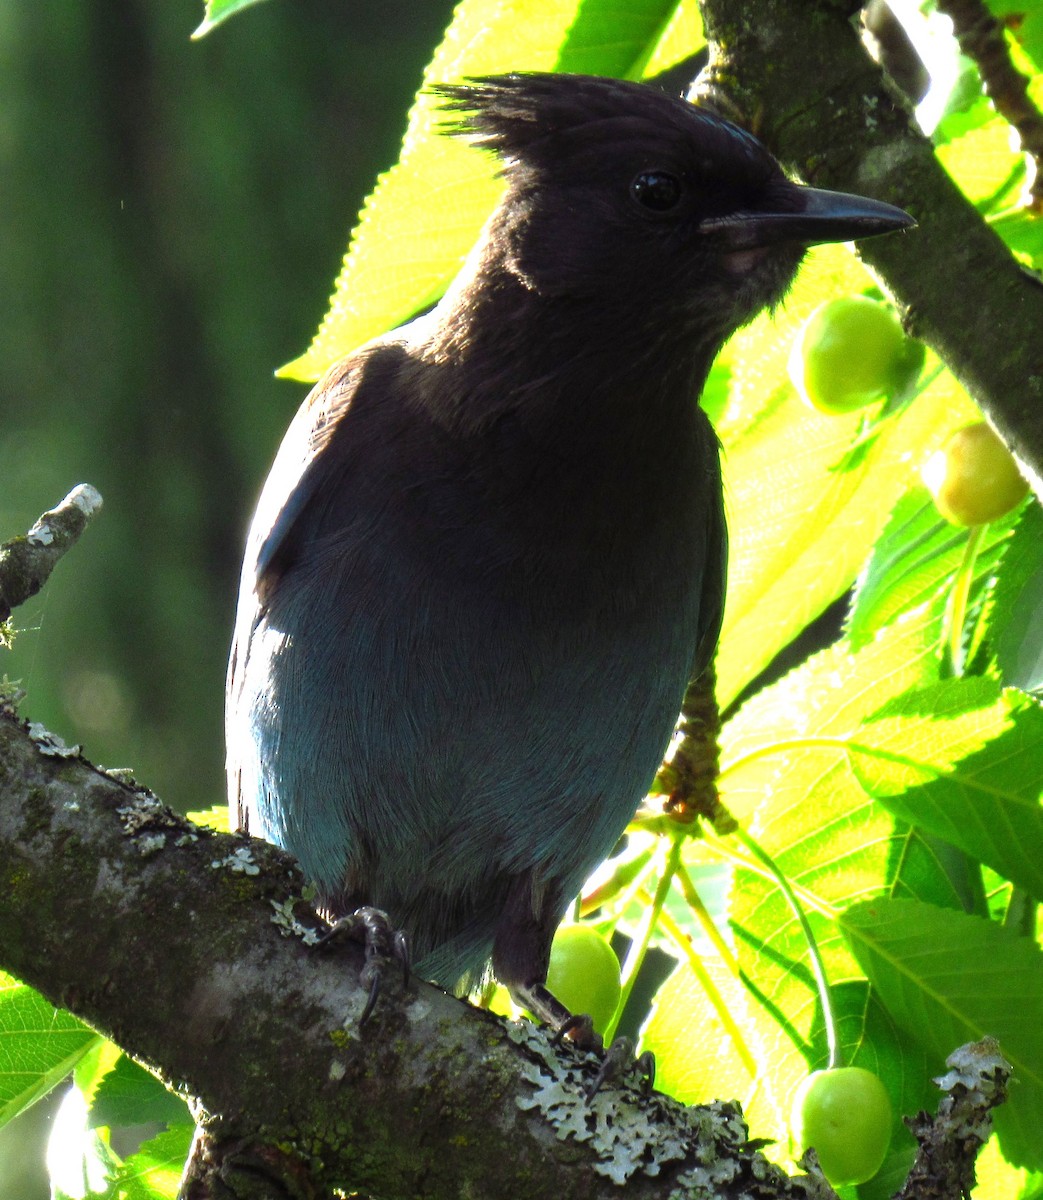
(172, 216)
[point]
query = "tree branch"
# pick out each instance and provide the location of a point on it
(982, 39)
(799, 75)
(26, 562)
(191, 949)
(950, 1141)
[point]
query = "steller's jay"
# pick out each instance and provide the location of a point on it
(491, 550)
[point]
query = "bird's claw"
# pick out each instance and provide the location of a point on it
(620, 1058)
(578, 1028)
(383, 944)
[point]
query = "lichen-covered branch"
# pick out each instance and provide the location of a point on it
(26, 562)
(193, 951)
(949, 1142)
(800, 76)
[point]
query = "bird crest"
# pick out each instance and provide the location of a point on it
(534, 118)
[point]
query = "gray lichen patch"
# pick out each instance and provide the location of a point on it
(50, 744)
(629, 1132)
(288, 924)
(148, 822)
(240, 860)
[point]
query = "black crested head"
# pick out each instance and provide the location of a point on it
(637, 202)
(529, 119)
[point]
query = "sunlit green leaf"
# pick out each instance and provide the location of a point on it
(966, 109)
(154, 1172)
(1016, 616)
(39, 1046)
(217, 11)
(681, 38)
(693, 1069)
(426, 211)
(94, 1066)
(983, 162)
(799, 764)
(1027, 25)
(1022, 231)
(998, 1180)
(129, 1095)
(214, 818)
(962, 760)
(950, 978)
(928, 868)
(912, 563)
(785, 772)
(800, 528)
(775, 748)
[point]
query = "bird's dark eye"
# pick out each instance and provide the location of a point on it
(658, 190)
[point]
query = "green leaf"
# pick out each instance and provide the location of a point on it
(962, 760)
(218, 11)
(795, 763)
(966, 108)
(217, 818)
(129, 1095)
(778, 747)
(785, 773)
(39, 1046)
(1027, 26)
(950, 978)
(983, 164)
(154, 1172)
(694, 1069)
(1016, 617)
(426, 211)
(931, 869)
(1022, 231)
(801, 527)
(94, 1066)
(913, 563)
(998, 1180)
(681, 38)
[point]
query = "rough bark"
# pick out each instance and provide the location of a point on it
(194, 951)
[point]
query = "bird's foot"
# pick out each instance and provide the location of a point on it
(383, 944)
(619, 1061)
(578, 1029)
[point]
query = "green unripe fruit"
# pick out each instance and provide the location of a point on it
(584, 973)
(845, 1114)
(974, 478)
(850, 352)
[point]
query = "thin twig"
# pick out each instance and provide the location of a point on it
(982, 39)
(26, 562)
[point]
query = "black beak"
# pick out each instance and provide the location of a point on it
(816, 216)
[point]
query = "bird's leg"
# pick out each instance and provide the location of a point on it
(521, 953)
(578, 1028)
(619, 1059)
(383, 943)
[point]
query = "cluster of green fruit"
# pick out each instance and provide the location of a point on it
(851, 352)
